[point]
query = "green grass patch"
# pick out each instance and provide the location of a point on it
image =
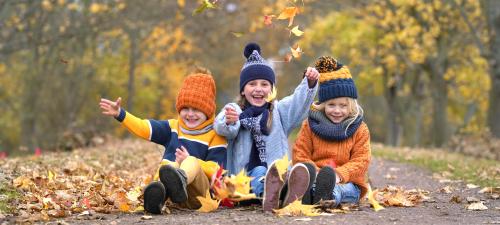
(456, 166)
(7, 195)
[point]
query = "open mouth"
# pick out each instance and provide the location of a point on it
(258, 98)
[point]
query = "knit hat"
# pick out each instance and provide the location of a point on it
(335, 80)
(197, 91)
(255, 67)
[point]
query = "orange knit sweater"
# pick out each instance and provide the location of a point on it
(351, 156)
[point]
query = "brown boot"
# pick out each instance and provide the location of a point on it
(298, 183)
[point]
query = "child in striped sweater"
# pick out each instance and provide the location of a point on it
(189, 140)
(334, 139)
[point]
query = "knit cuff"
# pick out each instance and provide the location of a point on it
(121, 116)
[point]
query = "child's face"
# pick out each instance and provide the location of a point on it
(192, 117)
(337, 109)
(256, 91)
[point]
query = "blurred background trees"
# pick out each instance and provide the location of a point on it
(426, 70)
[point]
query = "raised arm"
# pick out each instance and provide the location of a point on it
(225, 126)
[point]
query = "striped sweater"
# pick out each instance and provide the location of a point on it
(351, 156)
(173, 133)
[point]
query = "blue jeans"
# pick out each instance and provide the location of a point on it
(257, 183)
(346, 193)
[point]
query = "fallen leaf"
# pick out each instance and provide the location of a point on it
(477, 206)
(296, 208)
(303, 219)
(472, 186)
(288, 13)
(206, 4)
(145, 217)
(446, 190)
(296, 31)
(390, 177)
(471, 199)
(207, 203)
(371, 199)
(456, 199)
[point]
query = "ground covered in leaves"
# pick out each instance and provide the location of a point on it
(103, 185)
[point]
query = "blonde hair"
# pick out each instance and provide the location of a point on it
(355, 110)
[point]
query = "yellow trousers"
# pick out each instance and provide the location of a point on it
(198, 183)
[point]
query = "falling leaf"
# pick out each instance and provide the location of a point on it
(268, 20)
(204, 5)
(296, 208)
(207, 203)
(282, 166)
(297, 52)
(181, 3)
(288, 57)
(477, 206)
(288, 13)
(238, 34)
(296, 31)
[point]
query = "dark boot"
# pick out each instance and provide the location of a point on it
(176, 181)
(154, 197)
(325, 182)
(307, 198)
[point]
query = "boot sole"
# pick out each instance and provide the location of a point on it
(272, 188)
(307, 198)
(325, 182)
(175, 184)
(298, 183)
(154, 197)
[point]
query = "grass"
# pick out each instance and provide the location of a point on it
(483, 172)
(7, 195)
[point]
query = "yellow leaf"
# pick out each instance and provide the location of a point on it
(296, 31)
(296, 208)
(242, 182)
(297, 52)
(181, 3)
(282, 165)
(205, 5)
(51, 175)
(288, 13)
(207, 203)
(134, 194)
(371, 199)
(237, 34)
(23, 182)
(237, 196)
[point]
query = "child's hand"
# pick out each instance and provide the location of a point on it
(231, 115)
(312, 76)
(109, 107)
(181, 154)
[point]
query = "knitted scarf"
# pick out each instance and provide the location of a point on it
(326, 129)
(254, 119)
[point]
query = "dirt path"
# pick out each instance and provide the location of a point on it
(439, 210)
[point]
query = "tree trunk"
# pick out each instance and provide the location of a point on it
(494, 61)
(440, 104)
(131, 72)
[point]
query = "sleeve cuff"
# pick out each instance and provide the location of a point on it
(121, 116)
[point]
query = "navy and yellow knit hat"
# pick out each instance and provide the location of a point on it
(335, 80)
(255, 66)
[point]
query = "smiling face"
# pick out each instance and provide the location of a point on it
(192, 117)
(337, 109)
(256, 91)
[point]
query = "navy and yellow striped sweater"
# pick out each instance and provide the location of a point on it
(207, 146)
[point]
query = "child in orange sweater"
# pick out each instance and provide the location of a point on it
(334, 139)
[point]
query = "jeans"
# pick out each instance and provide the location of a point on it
(346, 193)
(257, 184)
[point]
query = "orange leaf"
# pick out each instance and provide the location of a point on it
(288, 13)
(288, 57)
(297, 52)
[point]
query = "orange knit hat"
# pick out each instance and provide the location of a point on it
(197, 91)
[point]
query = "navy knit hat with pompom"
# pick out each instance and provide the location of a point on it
(255, 67)
(335, 80)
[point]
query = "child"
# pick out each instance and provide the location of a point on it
(335, 138)
(189, 142)
(257, 127)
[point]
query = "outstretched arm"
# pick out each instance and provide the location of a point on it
(227, 122)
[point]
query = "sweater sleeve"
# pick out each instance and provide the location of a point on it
(302, 150)
(229, 131)
(360, 156)
(293, 109)
(157, 131)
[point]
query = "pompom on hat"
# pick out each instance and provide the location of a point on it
(335, 80)
(197, 91)
(255, 66)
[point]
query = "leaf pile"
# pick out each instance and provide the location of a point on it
(105, 180)
(396, 196)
